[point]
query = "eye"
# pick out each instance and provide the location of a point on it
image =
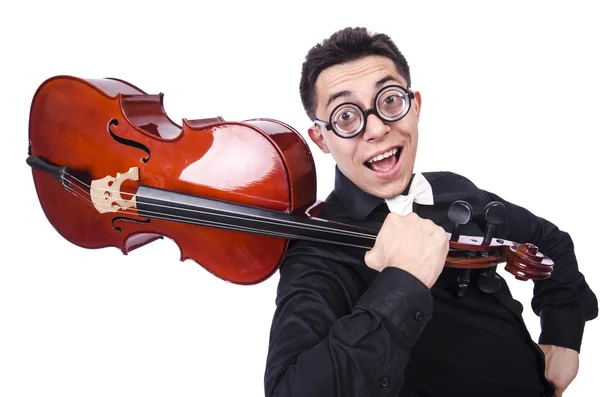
(346, 116)
(347, 119)
(392, 104)
(390, 99)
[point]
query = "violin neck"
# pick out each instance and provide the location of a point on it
(163, 204)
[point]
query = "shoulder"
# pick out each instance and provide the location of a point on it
(314, 257)
(449, 186)
(449, 180)
(322, 269)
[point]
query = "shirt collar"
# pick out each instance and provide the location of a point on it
(358, 203)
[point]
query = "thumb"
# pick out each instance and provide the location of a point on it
(369, 256)
(372, 259)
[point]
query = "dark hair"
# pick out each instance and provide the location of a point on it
(343, 46)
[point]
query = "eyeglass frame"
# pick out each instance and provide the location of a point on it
(329, 126)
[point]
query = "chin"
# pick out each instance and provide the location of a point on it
(391, 189)
(391, 194)
(386, 192)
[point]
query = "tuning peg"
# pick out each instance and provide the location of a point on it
(489, 281)
(463, 280)
(460, 213)
(495, 214)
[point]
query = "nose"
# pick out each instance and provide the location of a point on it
(375, 128)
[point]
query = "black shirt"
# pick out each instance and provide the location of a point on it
(343, 329)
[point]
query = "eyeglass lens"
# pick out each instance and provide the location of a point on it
(391, 104)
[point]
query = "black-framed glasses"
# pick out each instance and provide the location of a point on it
(349, 120)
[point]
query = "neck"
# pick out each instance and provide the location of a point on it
(163, 204)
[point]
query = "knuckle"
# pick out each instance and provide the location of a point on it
(412, 216)
(427, 225)
(440, 232)
(392, 217)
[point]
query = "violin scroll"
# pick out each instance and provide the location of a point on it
(523, 260)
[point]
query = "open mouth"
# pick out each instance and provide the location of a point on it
(384, 162)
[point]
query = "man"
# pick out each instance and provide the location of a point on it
(391, 320)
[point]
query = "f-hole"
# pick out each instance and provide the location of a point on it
(128, 142)
(125, 219)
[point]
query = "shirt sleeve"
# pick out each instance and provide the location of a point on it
(564, 302)
(332, 335)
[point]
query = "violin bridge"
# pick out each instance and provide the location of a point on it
(106, 192)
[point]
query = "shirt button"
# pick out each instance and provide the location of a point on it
(419, 316)
(384, 382)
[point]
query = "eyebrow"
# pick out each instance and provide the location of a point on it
(344, 93)
(384, 80)
(337, 95)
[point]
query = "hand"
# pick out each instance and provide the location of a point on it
(562, 365)
(410, 243)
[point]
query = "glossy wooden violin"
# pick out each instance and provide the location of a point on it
(111, 169)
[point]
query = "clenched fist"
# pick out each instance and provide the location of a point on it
(411, 243)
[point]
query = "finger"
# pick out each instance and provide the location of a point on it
(558, 392)
(428, 226)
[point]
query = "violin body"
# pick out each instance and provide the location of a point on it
(111, 169)
(105, 127)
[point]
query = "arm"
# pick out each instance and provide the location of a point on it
(564, 302)
(333, 336)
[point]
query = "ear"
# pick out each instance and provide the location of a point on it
(317, 137)
(417, 104)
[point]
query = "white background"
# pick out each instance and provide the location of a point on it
(510, 100)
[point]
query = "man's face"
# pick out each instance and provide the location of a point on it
(359, 81)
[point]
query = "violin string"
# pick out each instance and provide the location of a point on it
(158, 215)
(214, 224)
(218, 225)
(267, 221)
(208, 223)
(271, 233)
(165, 216)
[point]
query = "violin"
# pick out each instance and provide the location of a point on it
(111, 169)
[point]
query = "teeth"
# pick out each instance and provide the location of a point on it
(384, 155)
